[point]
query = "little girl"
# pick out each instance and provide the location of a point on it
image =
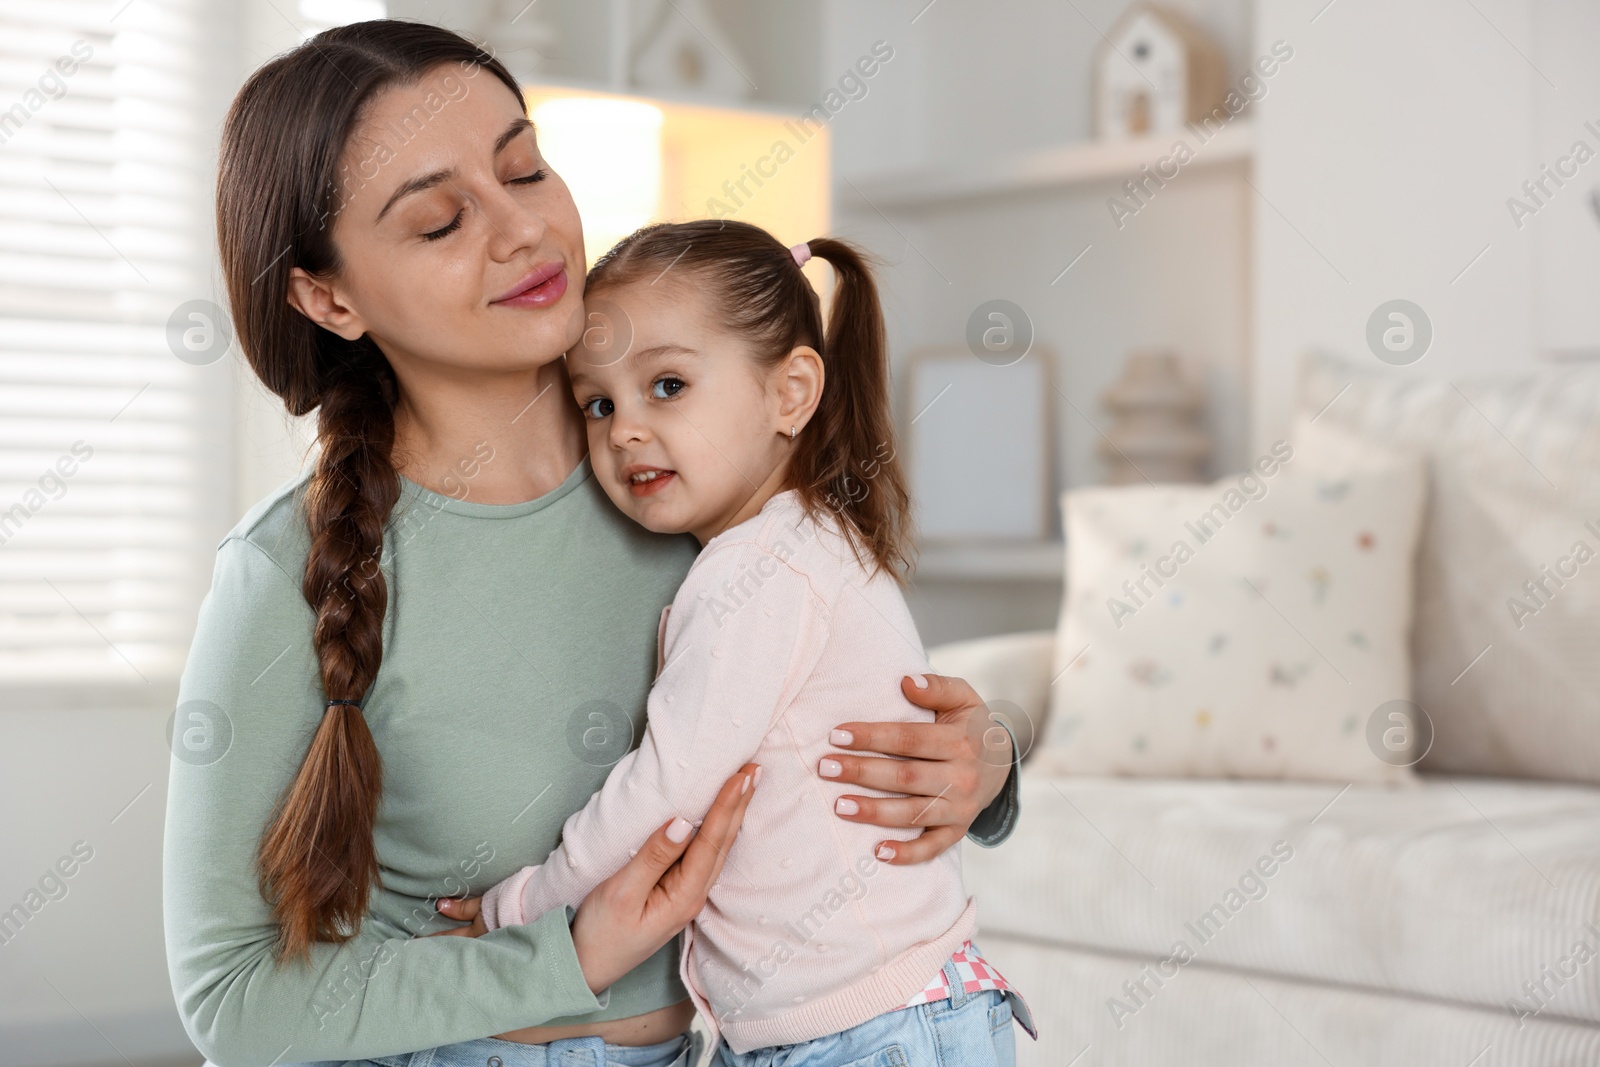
(733, 416)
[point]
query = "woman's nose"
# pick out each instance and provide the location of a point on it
(515, 227)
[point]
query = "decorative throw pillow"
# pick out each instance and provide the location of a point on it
(1256, 627)
(1507, 637)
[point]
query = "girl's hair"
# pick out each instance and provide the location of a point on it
(845, 460)
(277, 194)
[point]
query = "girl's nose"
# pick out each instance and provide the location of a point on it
(627, 430)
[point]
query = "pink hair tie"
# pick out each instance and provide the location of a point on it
(801, 252)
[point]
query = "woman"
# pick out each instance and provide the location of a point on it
(426, 654)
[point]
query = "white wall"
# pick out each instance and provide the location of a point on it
(984, 77)
(1392, 145)
(91, 963)
(1565, 232)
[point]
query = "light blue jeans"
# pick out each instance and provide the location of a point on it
(964, 1030)
(681, 1051)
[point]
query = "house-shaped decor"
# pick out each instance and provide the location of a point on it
(1154, 71)
(517, 36)
(684, 50)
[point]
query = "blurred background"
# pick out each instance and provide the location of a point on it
(1110, 236)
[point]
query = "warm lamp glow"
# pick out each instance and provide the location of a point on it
(609, 153)
(631, 161)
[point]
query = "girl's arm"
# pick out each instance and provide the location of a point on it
(727, 673)
(249, 701)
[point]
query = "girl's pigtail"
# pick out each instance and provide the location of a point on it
(848, 455)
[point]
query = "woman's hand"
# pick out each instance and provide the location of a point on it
(626, 918)
(953, 768)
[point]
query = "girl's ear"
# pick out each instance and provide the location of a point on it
(315, 299)
(800, 378)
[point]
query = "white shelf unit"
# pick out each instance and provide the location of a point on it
(992, 561)
(1057, 167)
(965, 589)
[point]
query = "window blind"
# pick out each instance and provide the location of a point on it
(114, 372)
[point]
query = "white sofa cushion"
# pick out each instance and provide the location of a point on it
(1462, 889)
(1253, 627)
(1011, 672)
(1215, 1017)
(1515, 487)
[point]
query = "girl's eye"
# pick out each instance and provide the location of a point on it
(444, 231)
(537, 176)
(666, 388)
(598, 408)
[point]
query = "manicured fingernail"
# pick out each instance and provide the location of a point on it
(920, 681)
(678, 831)
(841, 737)
(758, 775)
(846, 806)
(744, 786)
(885, 852)
(830, 768)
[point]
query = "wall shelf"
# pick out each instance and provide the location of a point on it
(990, 561)
(1064, 166)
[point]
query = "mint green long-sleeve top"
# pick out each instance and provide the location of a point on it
(519, 645)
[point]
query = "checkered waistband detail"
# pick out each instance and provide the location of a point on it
(976, 974)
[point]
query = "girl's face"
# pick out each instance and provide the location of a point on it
(462, 250)
(687, 432)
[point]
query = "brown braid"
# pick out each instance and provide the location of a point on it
(277, 192)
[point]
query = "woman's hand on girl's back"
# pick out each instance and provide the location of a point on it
(951, 769)
(627, 917)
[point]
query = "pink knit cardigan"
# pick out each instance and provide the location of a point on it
(777, 634)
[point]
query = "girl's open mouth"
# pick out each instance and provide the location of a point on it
(648, 481)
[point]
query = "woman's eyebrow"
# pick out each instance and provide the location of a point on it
(428, 181)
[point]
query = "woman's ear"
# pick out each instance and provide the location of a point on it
(315, 299)
(800, 378)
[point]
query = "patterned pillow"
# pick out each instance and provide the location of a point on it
(1507, 636)
(1256, 627)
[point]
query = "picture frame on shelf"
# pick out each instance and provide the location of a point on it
(979, 445)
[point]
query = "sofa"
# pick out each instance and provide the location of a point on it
(1450, 919)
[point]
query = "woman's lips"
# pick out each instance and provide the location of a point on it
(540, 288)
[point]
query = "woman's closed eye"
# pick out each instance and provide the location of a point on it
(444, 231)
(455, 224)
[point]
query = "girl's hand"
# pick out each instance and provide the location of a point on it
(627, 917)
(467, 909)
(953, 768)
(637, 910)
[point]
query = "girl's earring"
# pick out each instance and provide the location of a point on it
(792, 431)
